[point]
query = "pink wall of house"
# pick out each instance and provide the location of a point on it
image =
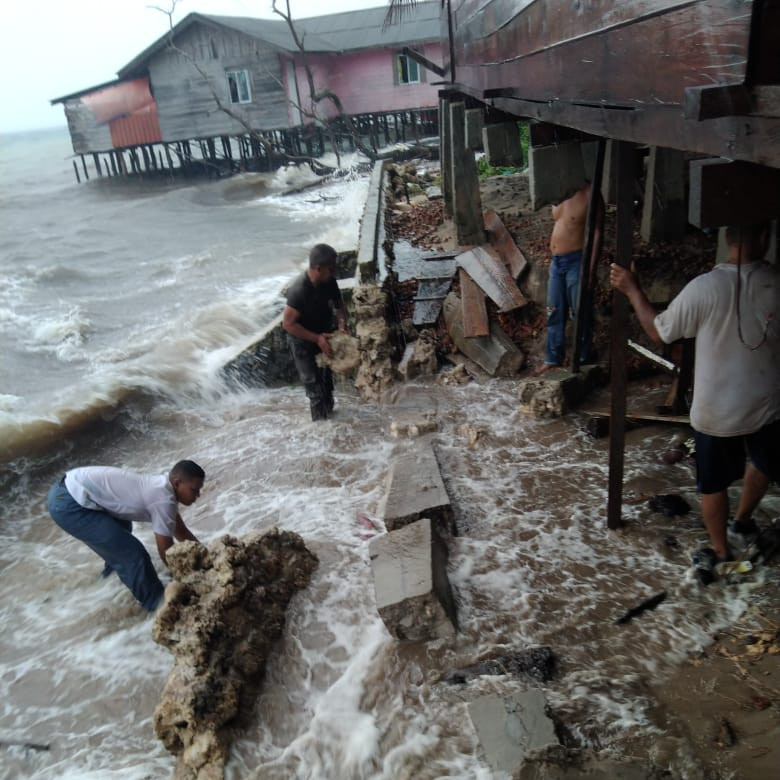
(365, 81)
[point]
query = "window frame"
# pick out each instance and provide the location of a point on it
(239, 74)
(403, 63)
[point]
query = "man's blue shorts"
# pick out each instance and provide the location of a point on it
(721, 460)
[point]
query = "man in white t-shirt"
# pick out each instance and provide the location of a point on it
(732, 312)
(98, 505)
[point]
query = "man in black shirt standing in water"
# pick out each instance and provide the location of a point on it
(312, 300)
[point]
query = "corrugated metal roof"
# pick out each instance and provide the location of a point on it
(347, 31)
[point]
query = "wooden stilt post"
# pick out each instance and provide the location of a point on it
(584, 292)
(168, 157)
(618, 332)
(112, 158)
(84, 168)
(99, 170)
(76, 171)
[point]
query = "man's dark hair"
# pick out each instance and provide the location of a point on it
(188, 469)
(322, 254)
(750, 234)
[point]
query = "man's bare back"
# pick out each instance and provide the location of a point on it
(568, 233)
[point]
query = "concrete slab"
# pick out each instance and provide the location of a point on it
(413, 593)
(553, 172)
(510, 727)
(415, 489)
(501, 142)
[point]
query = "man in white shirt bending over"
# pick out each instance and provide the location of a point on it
(98, 504)
(732, 312)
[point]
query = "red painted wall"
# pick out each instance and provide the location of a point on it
(364, 81)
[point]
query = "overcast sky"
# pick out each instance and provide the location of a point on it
(50, 48)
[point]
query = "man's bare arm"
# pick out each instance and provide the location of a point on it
(624, 280)
(290, 323)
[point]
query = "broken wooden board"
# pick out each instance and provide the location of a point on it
(427, 302)
(494, 353)
(488, 271)
(504, 245)
(475, 316)
(648, 416)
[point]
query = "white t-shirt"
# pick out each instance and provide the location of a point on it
(736, 384)
(126, 495)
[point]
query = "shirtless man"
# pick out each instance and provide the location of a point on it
(566, 245)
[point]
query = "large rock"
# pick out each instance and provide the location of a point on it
(222, 614)
(413, 593)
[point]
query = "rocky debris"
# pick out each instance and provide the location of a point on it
(511, 727)
(346, 354)
(411, 426)
(419, 358)
(557, 392)
(375, 372)
(669, 505)
(536, 663)
(413, 593)
(222, 614)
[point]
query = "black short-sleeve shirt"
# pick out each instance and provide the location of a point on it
(316, 304)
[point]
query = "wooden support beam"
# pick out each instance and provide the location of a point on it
(716, 101)
(503, 243)
(426, 63)
(475, 316)
(546, 134)
(732, 193)
(618, 330)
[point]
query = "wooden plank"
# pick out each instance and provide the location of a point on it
(715, 101)
(501, 240)
(681, 419)
(487, 270)
(732, 193)
(475, 316)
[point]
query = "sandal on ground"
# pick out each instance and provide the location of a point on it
(744, 530)
(704, 562)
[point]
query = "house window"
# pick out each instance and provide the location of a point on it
(238, 86)
(407, 69)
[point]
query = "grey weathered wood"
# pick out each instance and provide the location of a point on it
(185, 103)
(495, 353)
(475, 316)
(487, 270)
(466, 199)
(428, 301)
(415, 489)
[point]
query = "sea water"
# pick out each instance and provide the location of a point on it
(120, 302)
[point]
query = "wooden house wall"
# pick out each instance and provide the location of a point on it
(365, 81)
(626, 53)
(86, 133)
(185, 102)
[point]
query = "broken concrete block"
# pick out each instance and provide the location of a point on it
(415, 489)
(412, 425)
(496, 353)
(510, 727)
(413, 593)
(558, 391)
(419, 359)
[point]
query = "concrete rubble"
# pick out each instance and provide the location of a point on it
(413, 593)
(415, 489)
(221, 616)
(510, 727)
